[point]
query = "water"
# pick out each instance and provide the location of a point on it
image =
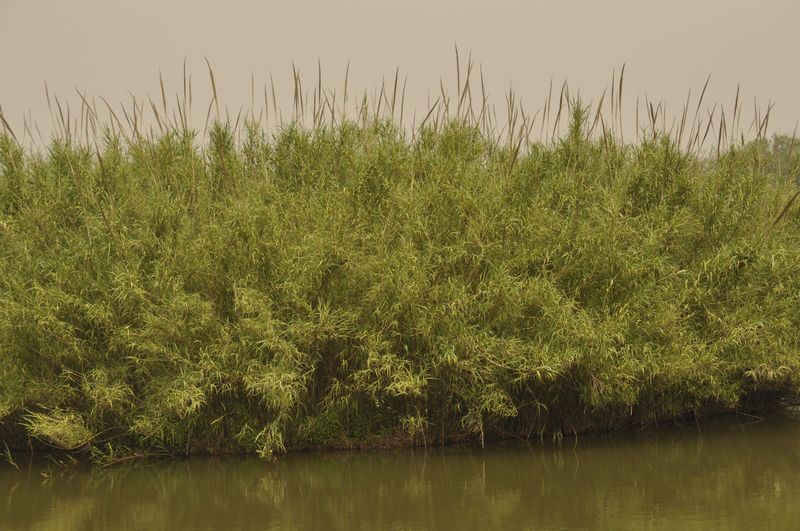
(731, 474)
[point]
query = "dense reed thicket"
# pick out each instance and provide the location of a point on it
(347, 285)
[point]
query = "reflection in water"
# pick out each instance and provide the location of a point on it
(733, 475)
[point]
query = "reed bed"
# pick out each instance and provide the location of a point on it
(358, 281)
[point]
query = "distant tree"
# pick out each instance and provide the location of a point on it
(781, 155)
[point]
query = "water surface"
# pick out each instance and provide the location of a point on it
(729, 473)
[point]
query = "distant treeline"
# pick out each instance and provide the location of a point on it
(781, 156)
(349, 286)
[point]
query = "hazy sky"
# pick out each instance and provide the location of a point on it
(108, 48)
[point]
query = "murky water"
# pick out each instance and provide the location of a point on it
(731, 474)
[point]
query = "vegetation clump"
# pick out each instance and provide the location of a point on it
(348, 284)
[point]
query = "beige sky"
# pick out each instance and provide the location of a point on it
(108, 48)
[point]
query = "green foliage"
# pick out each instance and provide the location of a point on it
(337, 284)
(779, 156)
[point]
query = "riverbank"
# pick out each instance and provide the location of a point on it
(350, 284)
(731, 473)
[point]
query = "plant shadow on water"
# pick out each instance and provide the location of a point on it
(731, 474)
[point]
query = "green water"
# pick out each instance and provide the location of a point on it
(730, 473)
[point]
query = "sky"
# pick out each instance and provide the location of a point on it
(117, 49)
